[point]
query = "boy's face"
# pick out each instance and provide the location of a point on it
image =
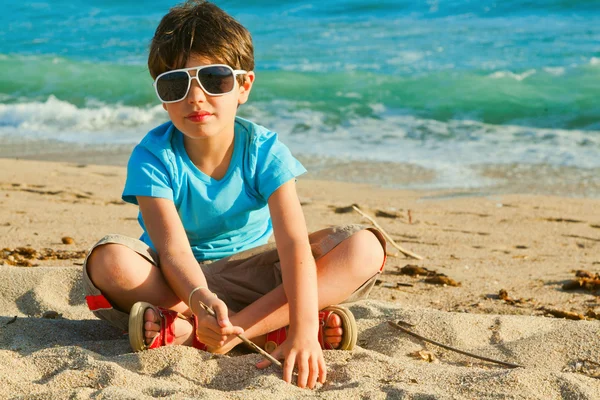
(200, 115)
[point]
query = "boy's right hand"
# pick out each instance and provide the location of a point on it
(215, 332)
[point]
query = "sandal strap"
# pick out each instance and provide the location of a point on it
(275, 338)
(166, 336)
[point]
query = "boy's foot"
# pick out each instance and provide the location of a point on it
(151, 327)
(182, 329)
(337, 330)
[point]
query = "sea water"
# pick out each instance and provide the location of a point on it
(410, 94)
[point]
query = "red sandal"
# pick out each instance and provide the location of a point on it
(349, 330)
(166, 335)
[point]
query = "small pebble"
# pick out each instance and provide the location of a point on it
(51, 315)
(67, 240)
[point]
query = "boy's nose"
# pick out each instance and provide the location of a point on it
(196, 93)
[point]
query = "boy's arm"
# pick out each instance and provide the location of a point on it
(300, 284)
(177, 262)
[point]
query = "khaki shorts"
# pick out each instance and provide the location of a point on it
(239, 280)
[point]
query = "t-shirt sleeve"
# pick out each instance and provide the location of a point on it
(275, 166)
(147, 175)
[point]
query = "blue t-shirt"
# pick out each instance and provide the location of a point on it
(220, 217)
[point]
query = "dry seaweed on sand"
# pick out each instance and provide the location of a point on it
(504, 296)
(585, 280)
(415, 270)
(563, 314)
(441, 279)
(432, 276)
(425, 356)
(25, 256)
(592, 314)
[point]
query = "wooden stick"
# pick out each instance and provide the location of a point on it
(388, 237)
(509, 365)
(252, 345)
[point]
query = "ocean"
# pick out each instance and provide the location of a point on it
(471, 96)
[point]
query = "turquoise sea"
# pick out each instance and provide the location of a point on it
(471, 95)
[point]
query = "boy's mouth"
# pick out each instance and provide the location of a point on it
(198, 116)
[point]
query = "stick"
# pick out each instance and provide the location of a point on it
(245, 340)
(509, 365)
(388, 237)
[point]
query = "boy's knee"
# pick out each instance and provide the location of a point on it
(105, 264)
(368, 252)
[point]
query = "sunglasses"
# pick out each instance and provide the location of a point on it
(215, 80)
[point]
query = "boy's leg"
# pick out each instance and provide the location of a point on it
(340, 271)
(123, 270)
(120, 271)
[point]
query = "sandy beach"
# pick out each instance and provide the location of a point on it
(505, 260)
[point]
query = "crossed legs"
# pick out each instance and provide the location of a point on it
(125, 277)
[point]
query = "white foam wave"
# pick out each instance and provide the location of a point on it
(61, 120)
(556, 71)
(406, 57)
(425, 142)
(512, 75)
(307, 65)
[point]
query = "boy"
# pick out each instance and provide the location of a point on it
(211, 189)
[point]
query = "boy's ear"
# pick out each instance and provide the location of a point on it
(246, 87)
(165, 106)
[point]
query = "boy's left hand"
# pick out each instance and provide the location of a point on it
(304, 353)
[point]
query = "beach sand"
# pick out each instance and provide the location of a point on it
(530, 246)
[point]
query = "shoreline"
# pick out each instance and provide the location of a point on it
(467, 180)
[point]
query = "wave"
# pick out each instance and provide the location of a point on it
(25, 78)
(547, 97)
(54, 119)
(551, 97)
(431, 143)
(393, 138)
(512, 75)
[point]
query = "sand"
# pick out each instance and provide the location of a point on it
(530, 246)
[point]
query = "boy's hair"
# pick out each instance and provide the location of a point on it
(200, 28)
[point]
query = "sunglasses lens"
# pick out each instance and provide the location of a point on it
(217, 79)
(172, 86)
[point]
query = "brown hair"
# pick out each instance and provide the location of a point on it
(200, 28)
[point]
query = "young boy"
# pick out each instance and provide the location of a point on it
(211, 189)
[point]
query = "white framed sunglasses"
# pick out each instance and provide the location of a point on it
(214, 79)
